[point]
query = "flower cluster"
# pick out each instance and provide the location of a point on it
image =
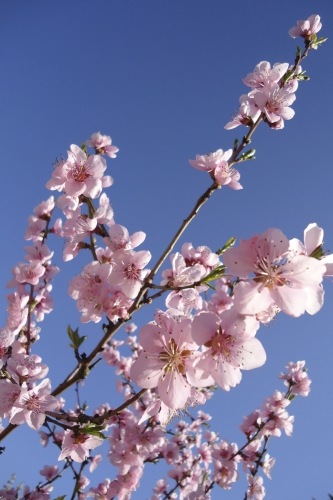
(206, 335)
(202, 343)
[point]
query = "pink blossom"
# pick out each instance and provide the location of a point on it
(130, 328)
(167, 348)
(128, 273)
(274, 275)
(256, 489)
(35, 230)
(94, 463)
(230, 346)
(274, 102)
(267, 465)
(182, 274)
(160, 488)
(104, 213)
(248, 113)
(226, 176)
(31, 405)
(208, 163)
(79, 174)
(297, 378)
(102, 144)
(263, 74)
(68, 204)
(313, 246)
(78, 446)
(200, 255)
(117, 305)
(29, 273)
(49, 472)
(9, 392)
(225, 467)
(44, 302)
(251, 423)
(90, 290)
(17, 312)
(39, 252)
(76, 230)
(185, 300)
(124, 484)
(119, 238)
(306, 28)
(221, 300)
(217, 164)
(23, 367)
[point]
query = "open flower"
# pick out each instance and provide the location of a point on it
(229, 347)
(274, 276)
(263, 74)
(79, 174)
(78, 446)
(167, 349)
(306, 28)
(217, 164)
(31, 405)
(274, 102)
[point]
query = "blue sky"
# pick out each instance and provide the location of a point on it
(163, 78)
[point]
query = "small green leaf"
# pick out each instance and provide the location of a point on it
(217, 273)
(317, 42)
(93, 430)
(302, 76)
(248, 155)
(318, 252)
(231, 241)
(75, 337)
(61, 498)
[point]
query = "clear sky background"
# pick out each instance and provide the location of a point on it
(163, 78)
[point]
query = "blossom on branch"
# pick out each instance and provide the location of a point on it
(217, 165)
(80, 174)
(271, 274)
(306, 28)
(167, 350)
(229, 346)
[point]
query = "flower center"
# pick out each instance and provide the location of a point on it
(270, 274)
(80, 173)
(221, 344)
(33, 404)
(173, 357)
(132, 272)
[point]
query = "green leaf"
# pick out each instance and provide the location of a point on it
(217, 273)
(61, 498)
(302, 76)
(317, 42)
(231, 241)
(75, 338)
(93, 430)
(248, 155)
(318, 252)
